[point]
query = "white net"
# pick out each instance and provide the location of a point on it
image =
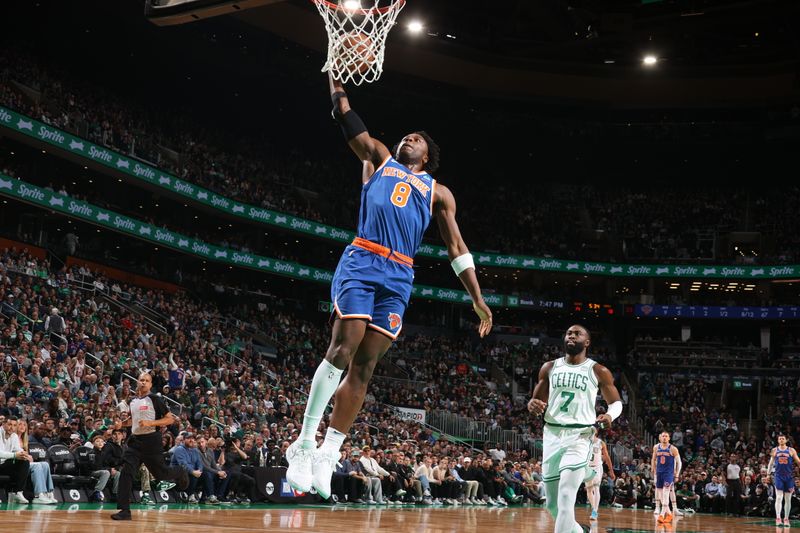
(357, 31)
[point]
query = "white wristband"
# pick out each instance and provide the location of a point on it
(614, 410)
(461, 263)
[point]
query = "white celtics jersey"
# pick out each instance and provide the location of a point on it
(573, 392)
(597, 453)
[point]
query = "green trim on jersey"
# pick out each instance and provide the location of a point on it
(571, 426)
(593, 376)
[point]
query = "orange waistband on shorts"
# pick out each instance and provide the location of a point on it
(383, 251)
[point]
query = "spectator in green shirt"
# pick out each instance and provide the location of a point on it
(687, 499)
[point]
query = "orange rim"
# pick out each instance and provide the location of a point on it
(336, 7)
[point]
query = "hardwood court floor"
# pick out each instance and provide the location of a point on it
(344, 519)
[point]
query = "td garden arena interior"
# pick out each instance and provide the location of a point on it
(184, 343)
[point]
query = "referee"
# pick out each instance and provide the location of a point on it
(148, 411)
(733, 472)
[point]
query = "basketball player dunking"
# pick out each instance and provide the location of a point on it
(569, 385)
(372, 284)
(665, 465)
(783, 458)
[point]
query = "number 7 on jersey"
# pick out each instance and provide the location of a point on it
(569, 396)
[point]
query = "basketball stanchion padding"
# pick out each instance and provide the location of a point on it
(73, 495)
(165, 496)
(357, 31)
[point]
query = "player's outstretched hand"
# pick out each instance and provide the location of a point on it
(485, 314)
(537, 406)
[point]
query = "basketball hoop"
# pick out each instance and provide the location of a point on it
(357, 31)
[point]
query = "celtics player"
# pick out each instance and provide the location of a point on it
(566, 394)
(599, 456)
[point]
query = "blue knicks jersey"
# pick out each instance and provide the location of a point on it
(665, 462)
(396, 207)
(783, 463)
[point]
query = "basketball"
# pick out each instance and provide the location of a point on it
(355, 53)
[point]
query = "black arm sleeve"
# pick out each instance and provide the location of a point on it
(351, 124)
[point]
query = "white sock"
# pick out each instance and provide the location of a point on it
(333, 439)
(672, 498)
(658, 498)
(326, 381)
(665, 500)
(596, 498)
(787, 504)
(778, 503)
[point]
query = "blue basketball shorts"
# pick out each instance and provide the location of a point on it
(664, 479)
(371, 287)
(786, 484)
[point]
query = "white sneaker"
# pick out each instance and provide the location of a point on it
(322, 469)
(299, 474)
(678, 512)
(43, 499)
(18, 497)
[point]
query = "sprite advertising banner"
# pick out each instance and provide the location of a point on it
(137, 170)
(20, 190)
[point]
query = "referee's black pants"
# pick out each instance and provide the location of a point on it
(149, 450)
(734, 496)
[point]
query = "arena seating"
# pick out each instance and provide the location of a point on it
(648, 224)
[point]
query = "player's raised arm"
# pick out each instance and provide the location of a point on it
(610, 395)
(371, 151)
(444, 206)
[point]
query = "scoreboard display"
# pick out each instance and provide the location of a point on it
(707, 311)
(594, 308)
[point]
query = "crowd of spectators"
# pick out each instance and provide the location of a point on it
(72, 387)
(612, 223)
(241, 408)
(709, 440)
